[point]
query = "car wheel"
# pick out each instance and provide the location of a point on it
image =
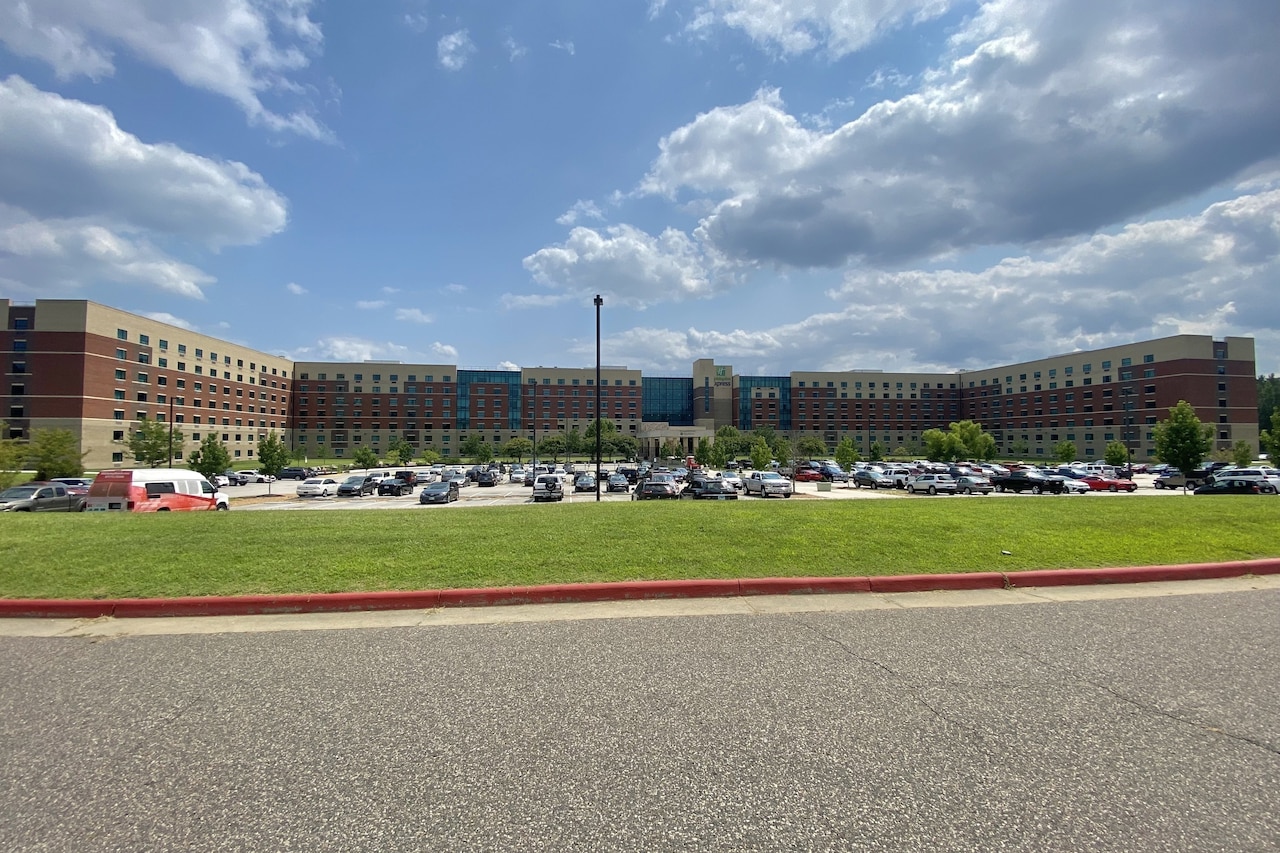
(224, 507)
(1191, 484)
(1035, 490)
(911, 489)
(1111, 488)
(932, 490)
(1158, 484)
(999, 488)
(965, 490)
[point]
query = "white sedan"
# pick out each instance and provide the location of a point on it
(318, 487)
(732, 479)
(257, 476)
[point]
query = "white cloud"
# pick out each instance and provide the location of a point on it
(454, 288)
(1043, 123)
(581, 209)
(414, 315)
(166, 317)
(508, 365)
(242, 50)
(295, 289)
(453, 50)
(444, 352)
(515, 50)
(371, 304)
(389, 290)
(518, 302)
(346, 348)
(836, 27)
(566, 46)
(633, 267)
(888, 78)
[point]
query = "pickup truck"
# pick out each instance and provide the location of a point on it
(1029, 481)
(766, 483)
(40, 497)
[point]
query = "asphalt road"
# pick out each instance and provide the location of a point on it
(1129, 724)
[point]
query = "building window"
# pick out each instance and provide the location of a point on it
(122, 334)
(145, 340)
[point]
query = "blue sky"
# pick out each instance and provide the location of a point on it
(827, 184)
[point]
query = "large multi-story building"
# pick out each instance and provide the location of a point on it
(94, 370)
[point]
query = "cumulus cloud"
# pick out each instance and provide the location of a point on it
(1212, 272)
(1046, 120)
(348, 348)
(371, 304)
(632, 266)
(444, 352)
(413, 315)
(243, 50)
(581, 209)
(783, 27)
(453, 50)
(166, 317)
(515, 50)
(508, 365)
(295, 289)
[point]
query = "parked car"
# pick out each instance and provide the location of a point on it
(395, 487)
(833, 473)
(294, 473)
(871, 479)
(75, 485)
(487, 478)
(410, 477)
(235, 478)
(932, 484)
(631, 473)
(40, 496)
(766, 483)
(440, 492)
(1175, 479)
(655, 490)
(808, 475)
(732, 479)
(318, 487)
(254, 476)
(1029, 480)
(548, 487)
(973, 484)
(1229, 487)
(1268, 478)
(715, 489)
(153, 490)
(1097, 483)
(356, 486)
(617, 483)
(585, 483)
(516, 474)
(1074, 487)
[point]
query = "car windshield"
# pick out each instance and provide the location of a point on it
(354, 481)
(770, 475)
(18, 494)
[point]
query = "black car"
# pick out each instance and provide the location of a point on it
(442, 492)
(487, 478)
(715, 489)
(293, 473)
(655, 490)
(394, 487)
(632, 474)
(618, 483)
(357, 486)
(1230, 487)
(1029, 480)
(833, 474)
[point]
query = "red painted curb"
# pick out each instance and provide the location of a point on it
(1142, 574)
(928, 583)
(241, 605)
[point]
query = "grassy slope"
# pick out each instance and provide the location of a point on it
(117, 555)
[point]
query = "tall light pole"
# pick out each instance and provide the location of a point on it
(1127, 393)
(599, 423)
(170, 430)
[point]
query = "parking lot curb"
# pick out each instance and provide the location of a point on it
(337, 602)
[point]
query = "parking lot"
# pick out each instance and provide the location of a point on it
(254, 496)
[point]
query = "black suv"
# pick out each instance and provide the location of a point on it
(1028, 480)
(294, 473)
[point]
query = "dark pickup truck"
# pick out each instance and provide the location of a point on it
(40, 497)
(1028, 481)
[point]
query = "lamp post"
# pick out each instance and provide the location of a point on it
(599, 424)
(170, 430)
(1127, 393)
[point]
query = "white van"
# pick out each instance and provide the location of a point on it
(153, 490)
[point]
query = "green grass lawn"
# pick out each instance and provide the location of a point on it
(110, 555)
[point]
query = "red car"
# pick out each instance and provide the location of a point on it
(1106, 484)
(808, 475)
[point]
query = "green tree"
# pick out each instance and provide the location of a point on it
(272, 456)
(12, 454)
(1269, 439)
(902, 451)
(607, 429)
(1182, 440)
(472, 446)
(763, 431)
(1065, 451)
(942, 446)
(847, 453)
(781, 448)
(977, 443)
(1241, 454)
(876, 451)
(517, 448)
(670, 449)
(625, 446)
(1268, 399)
(702, 453)
(431, 457)
(400, 450)
(1019, 448)
(761, 454)
(210, 458)
(575, 443)
(1116, 454)
(149, 444)
(731, 441)
(55, 453)
(811, 447)
(364, 457)
(553, 446)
